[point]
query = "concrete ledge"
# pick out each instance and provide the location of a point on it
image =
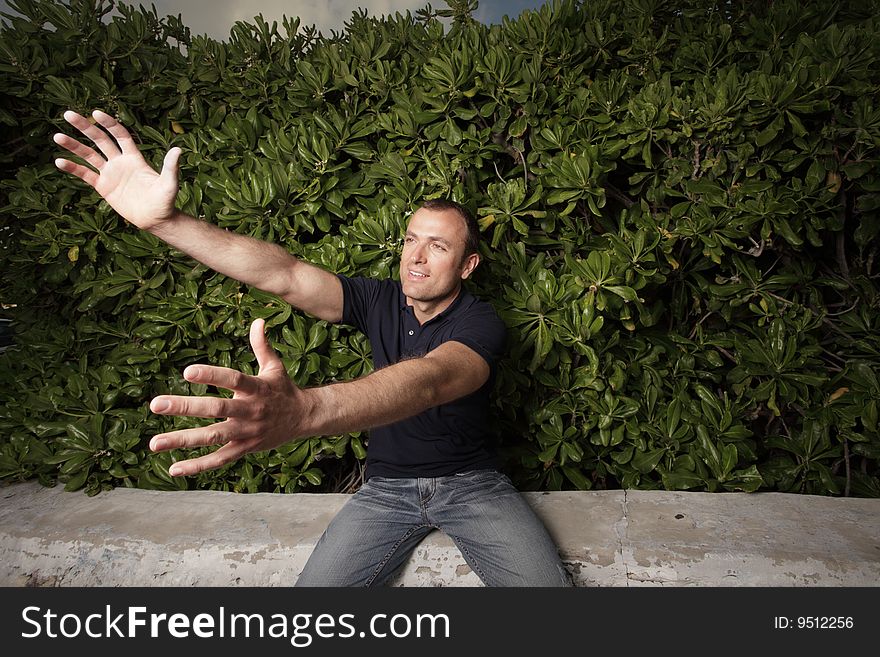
(130, 537)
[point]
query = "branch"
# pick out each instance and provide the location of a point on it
(620, 196)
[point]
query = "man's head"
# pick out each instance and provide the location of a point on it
(439, 251)
(472, 240)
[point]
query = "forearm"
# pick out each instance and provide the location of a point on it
(268, 410)
(261, 264)
(385, 396)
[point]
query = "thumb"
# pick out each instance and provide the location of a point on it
(169, 166)
(267, 359)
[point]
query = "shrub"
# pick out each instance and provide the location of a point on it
(679, 199)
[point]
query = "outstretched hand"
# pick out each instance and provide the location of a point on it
(119, 173)
(265, 411)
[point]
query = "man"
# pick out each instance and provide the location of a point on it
(434, 347)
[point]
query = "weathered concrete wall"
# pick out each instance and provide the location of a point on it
(130, 537)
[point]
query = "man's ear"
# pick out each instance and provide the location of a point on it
(469, 264)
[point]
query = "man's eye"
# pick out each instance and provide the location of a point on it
(439, 247)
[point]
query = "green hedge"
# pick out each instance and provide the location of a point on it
(679, 199)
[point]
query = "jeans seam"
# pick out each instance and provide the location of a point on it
(390, 553)
(471, 562)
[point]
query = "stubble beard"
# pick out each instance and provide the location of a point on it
(431, 294)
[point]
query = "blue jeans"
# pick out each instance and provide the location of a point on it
(499, 535)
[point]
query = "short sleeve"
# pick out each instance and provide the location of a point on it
(359, 295)
(484, 332)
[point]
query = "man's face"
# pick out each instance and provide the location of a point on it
(433, 264)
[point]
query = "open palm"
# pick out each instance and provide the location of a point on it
(119, 173)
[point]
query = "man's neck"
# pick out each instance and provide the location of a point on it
(425, 311)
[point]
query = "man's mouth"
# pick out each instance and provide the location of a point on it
(417, 274)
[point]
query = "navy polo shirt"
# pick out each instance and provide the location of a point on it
(446, 439)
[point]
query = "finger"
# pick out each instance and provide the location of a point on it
(169, 166)
(219, 433)
(197, 406)
(267, 359)
(102, 140)
(120, 133)
(80, 150)
(82, 172)
(222, 377)
(227, 454)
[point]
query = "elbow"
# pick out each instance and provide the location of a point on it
(450, 375)
(441, 386)
(434, 397)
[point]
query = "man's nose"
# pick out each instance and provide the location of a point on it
(417, 254)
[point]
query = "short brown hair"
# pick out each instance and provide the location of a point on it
(472, 241)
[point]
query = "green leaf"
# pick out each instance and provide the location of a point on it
(645, 462)
(681, 480)
(577, 478)
(77, 481)
(313, 475)
(622, 291)
(729, 457)
(748, 480)
(769, 133)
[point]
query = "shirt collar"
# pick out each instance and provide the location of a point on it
(459, 299)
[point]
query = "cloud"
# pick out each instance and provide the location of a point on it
(216, 17)
(492, 12)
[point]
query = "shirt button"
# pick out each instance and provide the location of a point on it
(411, 332)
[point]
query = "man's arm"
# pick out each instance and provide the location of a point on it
(268, 410)
(266, 266)
(121, 175)
(398, 391)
